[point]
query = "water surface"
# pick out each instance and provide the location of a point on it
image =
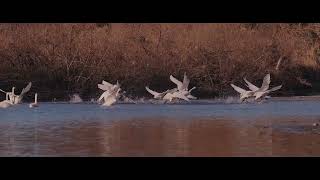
(200, 128)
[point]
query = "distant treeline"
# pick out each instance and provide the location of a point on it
(62, 59)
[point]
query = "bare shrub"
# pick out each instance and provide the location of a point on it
(62, 59)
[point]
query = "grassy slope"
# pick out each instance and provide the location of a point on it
(61, 59)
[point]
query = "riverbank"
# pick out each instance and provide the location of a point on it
(63, 59)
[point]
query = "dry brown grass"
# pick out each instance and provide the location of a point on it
(61, 59)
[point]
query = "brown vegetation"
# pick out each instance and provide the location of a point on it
(61, 59)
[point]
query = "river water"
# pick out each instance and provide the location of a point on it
(200, 128)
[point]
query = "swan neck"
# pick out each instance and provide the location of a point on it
(36, 98)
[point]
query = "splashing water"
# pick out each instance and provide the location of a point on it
(75, 99)
(228, 100)
(143, 100)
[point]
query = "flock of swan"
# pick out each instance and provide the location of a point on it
(257, 93)
(111, 92)
(13, 99)
(180, 92)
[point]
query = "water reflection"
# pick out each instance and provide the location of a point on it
(150, 137)
(272, 129)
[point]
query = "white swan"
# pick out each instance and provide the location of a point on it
(183, 87)
(244, 94)
(106, 86)
(35, 104)
(111, 98)
(111, 94)
(157, 95)
(178, 94)
(264, 90)
(9, 95)
(6, 103)
(18, 98)
(263, 94)
(264, 86)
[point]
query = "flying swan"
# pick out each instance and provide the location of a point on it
(182, 88)
(18, 98)
(110, 94)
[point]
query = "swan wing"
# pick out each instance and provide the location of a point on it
(167, 96)
(3, 91)
(107, 83)
(238, 89)
(186, 81)
(250, 85)
(103, 95)
(26, 89)
(181, 96)
(104, 87)
(152, 92)
(275, 88)
(171, 90)
(177, 82)
(265, 83)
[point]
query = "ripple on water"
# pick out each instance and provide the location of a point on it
(195, 129)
